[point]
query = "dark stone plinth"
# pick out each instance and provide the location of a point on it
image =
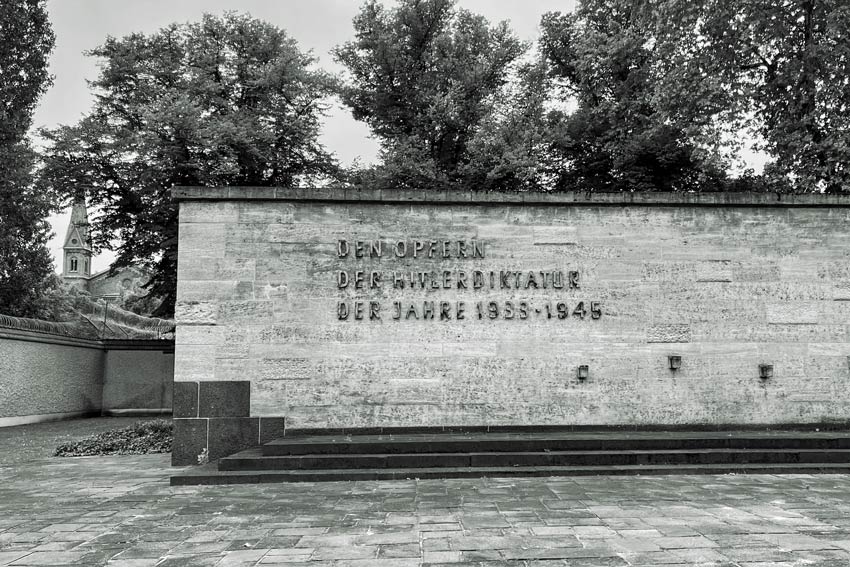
(224, 399)
(185, 400)
(190, 439)
(227, 435)
(215, 416)
(271, 428)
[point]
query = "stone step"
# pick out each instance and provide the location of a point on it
(209, 474)
(554, 441)
(254, 459)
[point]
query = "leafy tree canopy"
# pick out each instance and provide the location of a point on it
(423, 76)
(785, 63)
(26, 267)
(664, 89)
(226, 101)
(632, 127)
(512, 150)
(23, 65)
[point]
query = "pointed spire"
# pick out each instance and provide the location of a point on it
(77, 235)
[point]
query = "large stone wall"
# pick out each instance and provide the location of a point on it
(44, 377)
(727, 282)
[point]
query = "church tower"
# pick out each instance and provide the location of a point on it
(77, 251)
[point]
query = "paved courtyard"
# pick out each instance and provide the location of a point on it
(121, 511)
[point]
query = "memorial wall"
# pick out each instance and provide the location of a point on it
(343, 309)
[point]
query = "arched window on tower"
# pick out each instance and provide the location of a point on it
(85, 266)
(73, 267)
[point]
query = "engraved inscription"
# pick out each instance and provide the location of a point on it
(466, 281)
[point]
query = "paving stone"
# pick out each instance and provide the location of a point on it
(388, 538)
(436, 557)
(187, 547)
(757, 554)
(685, 542)
(48, 558)
(795, 542)
(700, 556)
(435, 543)
(291, 552)
(406, 550)
(560, 553)
(189, 561)
(438, 528)
(58, 545)
(633, 544)
(243, 557)
(7, 557)
(594, 532)
(91, 511)
(651, 558)
(638, 533)
(595, 562)
(299, 531)
(345, 552)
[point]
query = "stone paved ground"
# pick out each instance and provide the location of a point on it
(121, 511)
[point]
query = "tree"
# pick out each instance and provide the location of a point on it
(786, 63)
(26, 267)
(423, 76)
(627, 133)
(512, 148)
(23, 65)
(225, 101)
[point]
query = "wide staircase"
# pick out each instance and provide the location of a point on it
(353, 456)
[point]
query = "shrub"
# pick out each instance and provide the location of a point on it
(144, 437)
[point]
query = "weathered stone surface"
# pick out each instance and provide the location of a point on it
(45, 376)
(195, 313)
(38, 377)
(272, 428)
(227, 435)
(729, 284)
(190, 439)
(119, 509)
(670, 333)
(185, 399)
(224, 399)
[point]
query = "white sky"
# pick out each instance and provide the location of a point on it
(318, 25)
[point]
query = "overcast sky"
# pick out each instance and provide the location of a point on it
(318, 25)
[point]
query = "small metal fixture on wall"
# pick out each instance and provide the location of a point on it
(675, 361)
(765, 371)
(583, 372)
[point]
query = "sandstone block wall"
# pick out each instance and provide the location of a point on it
(728, 283)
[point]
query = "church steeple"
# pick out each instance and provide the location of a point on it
(77, 251)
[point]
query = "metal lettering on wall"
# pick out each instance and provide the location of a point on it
(459, 280)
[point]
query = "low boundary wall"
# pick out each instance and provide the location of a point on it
(46, 376)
